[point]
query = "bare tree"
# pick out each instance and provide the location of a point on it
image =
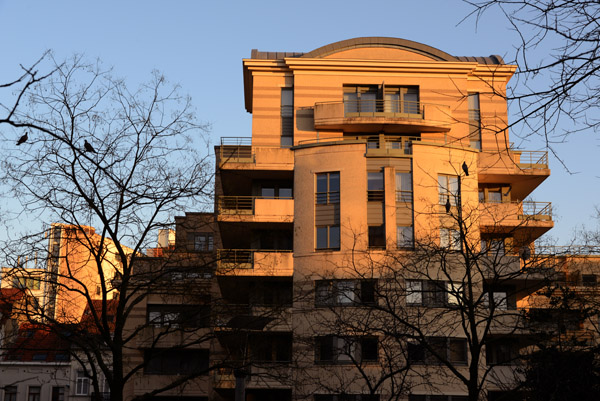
(445, 315)
(90, 152)
(558, 62)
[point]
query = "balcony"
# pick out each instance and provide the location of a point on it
(253, 317)
(237, 153)
(268, 375)
(377, 146)
(245, 262)
(167, 337)
(535, 217)
(257, 209)
(511, 167)
(377, 115)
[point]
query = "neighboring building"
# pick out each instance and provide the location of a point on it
(70, 269)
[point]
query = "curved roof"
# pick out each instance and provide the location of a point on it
(377, 41)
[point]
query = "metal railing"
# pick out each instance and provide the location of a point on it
(396, 145)
(240, 204)
(556, 250)
(373, 107)
(236, 149)
(242, 258)
(533, 159)
(536, 209)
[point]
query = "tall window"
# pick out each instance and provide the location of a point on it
(432, 293)
(450, 239)
(448, 189)
(287, 117)
(474, 121)
(10, 393)
(402, 99)
(404, 237)
(404, 187)
(82, 383)
(360, 99)
(328, 188)
(34, 393)
(375, 187)
(328, 237)
(58, 394)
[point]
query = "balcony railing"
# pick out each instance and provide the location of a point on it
(257, 260)
(532, 159)
(375, 107)
(536, 210)
(392, 146)
(240, 204)
(556, 250)
(236, 149)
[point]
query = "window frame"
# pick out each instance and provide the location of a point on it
(82, 383)
(450, 239)
(446, 185)
(330, 244)
(329, 292)
(329, 196)
(345, 350)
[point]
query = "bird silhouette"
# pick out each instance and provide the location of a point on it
(22, 139)
(465, 168)
(447, 205)
(88, 147)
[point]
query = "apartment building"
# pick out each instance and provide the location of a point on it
(379, 187)
(361, 151)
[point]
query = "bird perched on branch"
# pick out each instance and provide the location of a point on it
(22, 139)
(465, 168)
(88, 147)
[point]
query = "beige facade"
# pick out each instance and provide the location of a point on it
(364, 153)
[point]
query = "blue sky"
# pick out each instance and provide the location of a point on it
(201, 44)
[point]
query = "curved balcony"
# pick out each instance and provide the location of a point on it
(257, 209)
(391, 116)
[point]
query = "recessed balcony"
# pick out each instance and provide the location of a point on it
(382, 115)
(257, 209)
(247, 262)
(377, 145)
(524, 170)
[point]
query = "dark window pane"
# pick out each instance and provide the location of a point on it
(334, 237)
(321, 237)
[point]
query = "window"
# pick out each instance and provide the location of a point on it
(344, 292)
(333, 349)
(175, 362)
(10, 393)
(287, 117)
(448, 189)
(270, 347)
(58, 394)
(404, 237)
(34, 393)
(403, 99)
(82, 383)
(502, 352)
(201, 242)
(328, 188)
(493, 246)
(276, 192)
(435, 349)
(328, 237)
(377, 237)
(474, 120)
(179, 315)
(589, 280)
(432, 293)
(346, 397)
(360, 99)
(375, 188)
(27, 282)
(404, 187)
(450, 239)
(503, 297)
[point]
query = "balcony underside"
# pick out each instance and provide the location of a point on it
(411, 119)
